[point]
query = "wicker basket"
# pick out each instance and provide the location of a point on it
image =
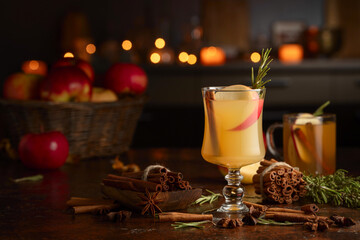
(92, 129)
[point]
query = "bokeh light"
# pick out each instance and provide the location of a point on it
(68, 55)
(160, 43)
(155, 58)
(126, 45)
(255, 57)
(192, 59)
(183, 57)
(90, 48)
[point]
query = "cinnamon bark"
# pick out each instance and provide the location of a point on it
(183, 217)
(292, 217)
(310, 208)
(79, 201)
(93, 208)
(134, 184)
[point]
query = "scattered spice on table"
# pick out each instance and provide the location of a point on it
(229, 223)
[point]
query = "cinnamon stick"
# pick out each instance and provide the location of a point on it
(93, 208)
(280, 210)
(260, 207)
(139, 185)
(292, 217)
(310, 208)
(79, 201)
(183, 217)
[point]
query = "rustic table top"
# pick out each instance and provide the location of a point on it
(37, 210)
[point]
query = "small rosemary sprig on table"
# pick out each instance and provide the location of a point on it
(273, 222)
(178, 225)
(209, 198)
(34, 178)
(258, 83)
(337, 189)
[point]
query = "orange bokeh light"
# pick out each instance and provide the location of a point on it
(126, 45)
(90, 48)
(212, 56)
(34, 67)
(255, 57)
(291, 53)
(69, 55)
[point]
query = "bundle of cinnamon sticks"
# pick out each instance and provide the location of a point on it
(282, 184)
(158, 180)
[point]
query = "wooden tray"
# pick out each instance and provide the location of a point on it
(173, 200)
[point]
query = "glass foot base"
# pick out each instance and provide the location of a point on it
(233, 208)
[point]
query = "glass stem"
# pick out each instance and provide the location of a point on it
(233, 192)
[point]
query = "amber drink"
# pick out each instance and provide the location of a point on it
(310, 143)
(233, 135)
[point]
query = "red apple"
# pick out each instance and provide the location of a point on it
(43, 151)
(126, 78)
(22, 86)
(66, 84)
(82, 64)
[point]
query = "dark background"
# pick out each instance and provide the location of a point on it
(35, 30)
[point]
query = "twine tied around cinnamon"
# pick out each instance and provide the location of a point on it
(153, 167)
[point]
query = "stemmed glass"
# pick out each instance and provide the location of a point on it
(233, 137)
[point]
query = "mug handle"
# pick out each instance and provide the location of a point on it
(270, 140)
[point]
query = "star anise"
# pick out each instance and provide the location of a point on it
(229, 223)
(318, 224)
(251, 217)
(150, 203)
(342, 221)
(120, 216)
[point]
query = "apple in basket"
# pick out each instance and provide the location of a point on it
(81, 64)
(126, 78)
(66, 84)
(22, 86)
(44, 151)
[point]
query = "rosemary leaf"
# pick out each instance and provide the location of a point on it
(34, 178)
(273, 222)
(338, 189)
(258, 83)
(178, 225)
(209, 198)
(320, 110)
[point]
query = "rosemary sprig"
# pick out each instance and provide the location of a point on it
(209, 198)
(337, 189)
(273, 222)
(34, 178)
(258, 83)
(320, 110)
(178, 225)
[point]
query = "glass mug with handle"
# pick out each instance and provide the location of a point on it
(309, 142)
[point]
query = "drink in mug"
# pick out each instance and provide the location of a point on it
(310, 144)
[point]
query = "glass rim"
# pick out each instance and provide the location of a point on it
(296, 116)
(220, 89)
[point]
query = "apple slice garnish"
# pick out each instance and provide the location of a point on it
(242, 92)
(254, 116)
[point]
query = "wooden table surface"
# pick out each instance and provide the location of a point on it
(38, 210)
